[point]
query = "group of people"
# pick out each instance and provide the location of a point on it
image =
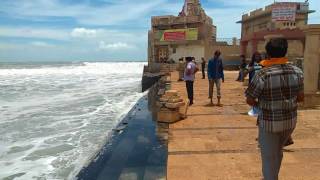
(275, 89)
(214, 71)
(252, 68)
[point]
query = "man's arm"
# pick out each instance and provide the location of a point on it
(251, 101)
(300, 97)
(196, 69)
(254, 90)
(222, 71)
(209, 69)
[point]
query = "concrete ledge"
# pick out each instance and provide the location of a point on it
(311, 100)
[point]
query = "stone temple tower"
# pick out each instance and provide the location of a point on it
(191, 33)
(192, 8)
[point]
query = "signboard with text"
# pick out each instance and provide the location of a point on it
(188, 34)
(285, 11)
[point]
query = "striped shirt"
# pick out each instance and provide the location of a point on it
(277, 88)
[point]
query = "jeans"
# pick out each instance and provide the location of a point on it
(251, 75)
(203, 73)
(241, 75)
(211, 86)
(271, 145)
(189, 86)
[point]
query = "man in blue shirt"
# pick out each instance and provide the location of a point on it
(215, 75)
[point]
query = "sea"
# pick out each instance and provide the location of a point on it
(54, 117)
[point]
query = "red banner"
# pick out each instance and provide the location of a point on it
(175, 36)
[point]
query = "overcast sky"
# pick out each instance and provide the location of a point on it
(99, 30)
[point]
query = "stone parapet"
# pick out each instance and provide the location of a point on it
(174, 20)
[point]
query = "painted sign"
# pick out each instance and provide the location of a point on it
(284, 11)
(188, 34)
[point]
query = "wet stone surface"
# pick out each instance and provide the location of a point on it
(136, 152)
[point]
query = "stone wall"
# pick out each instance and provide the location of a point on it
(312, 66)
(229, 53)
(312, 59)
(196, 51)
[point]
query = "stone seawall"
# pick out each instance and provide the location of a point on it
(137, 148)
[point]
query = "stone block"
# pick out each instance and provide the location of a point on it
(168, 79)
(161, 92)
(175, 100)
(168, 86)
(175, 105)
(161, 104)
(168, 116)
(172, 93)
(164, 99)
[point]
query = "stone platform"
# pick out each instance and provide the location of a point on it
(220, 142)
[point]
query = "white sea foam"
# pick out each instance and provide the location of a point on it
(54, 118)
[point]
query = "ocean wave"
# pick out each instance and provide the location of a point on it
(51, 116)
(78, 69)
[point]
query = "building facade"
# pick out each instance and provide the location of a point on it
(260, 24)
(191, 33)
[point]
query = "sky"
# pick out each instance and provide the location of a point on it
(102, 30)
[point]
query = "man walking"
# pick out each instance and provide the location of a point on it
(189, 76)
(276, 90)
(215, 76)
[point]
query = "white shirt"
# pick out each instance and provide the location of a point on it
(190, 67)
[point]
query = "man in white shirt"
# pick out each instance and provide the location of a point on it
(189, 76)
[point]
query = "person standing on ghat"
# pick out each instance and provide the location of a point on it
(203, 68)
(180, 69)
(215, 76)
(276, 90)
(254, 67)
(189, 76)
(242, 68)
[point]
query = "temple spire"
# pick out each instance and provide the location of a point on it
(191, 8)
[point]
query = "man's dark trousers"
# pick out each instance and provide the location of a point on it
(189, 86)
(203, 73)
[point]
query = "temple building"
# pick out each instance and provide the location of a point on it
(191, 33)
(286, 19)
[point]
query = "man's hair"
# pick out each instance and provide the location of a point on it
(217, 53)
(256, 58)
(277, 47)
(188, 59)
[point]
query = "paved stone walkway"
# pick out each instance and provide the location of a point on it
(219, 142)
